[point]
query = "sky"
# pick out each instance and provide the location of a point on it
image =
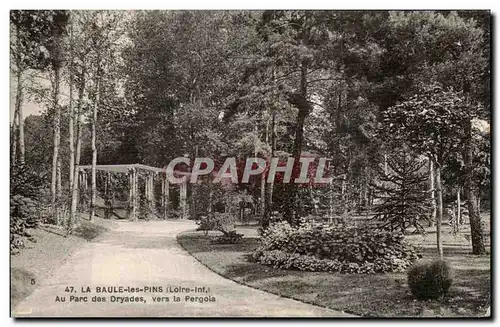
(30, 107)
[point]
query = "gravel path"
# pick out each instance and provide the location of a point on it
(137, 255)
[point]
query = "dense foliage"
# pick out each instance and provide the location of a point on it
(25, 204)
(346, 249)
(430, 279)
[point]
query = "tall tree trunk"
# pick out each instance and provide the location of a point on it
(439, 217)
(75, 173)
(263, 202)
(94, 149)
(268, 198)
(59, 181)
(343, 194)
(56, 136)
(71, 140)
(194, 187)
(20, 118)
(263, 194)
(476, 228)
(459, 207)
(479, 202)
(270, 189)
(432, 193)
(15, 130)
(330, 204)
(78, 142)
(18, 111)
(300, 101)
(260, 207)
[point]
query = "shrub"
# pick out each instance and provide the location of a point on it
(205, 224)
(276, 236)
(25, 187)
(228, 238)
(25, 181)
(25, 209)
(348, 249)
(222, 222)
(430, 279)
(23, 214)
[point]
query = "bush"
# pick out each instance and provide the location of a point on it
(276, 236)
(25, 187)
(222, 222)
(430, 279)
(23, 214)
(228, 238)
(205, 224)
(285, 260)
(24, 181)
(25, 209)
(347, 249)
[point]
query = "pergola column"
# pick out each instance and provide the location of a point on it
(79, 185)
(85, 180)
(149, 189)
(146, 191)
(165, 193)
(183, 197)
(84, 186)
(132, 193)
(108, 194)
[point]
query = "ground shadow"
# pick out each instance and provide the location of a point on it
(198, 243)
(89, 231)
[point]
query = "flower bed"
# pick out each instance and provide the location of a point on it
(315, 247)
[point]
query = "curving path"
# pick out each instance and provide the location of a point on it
(139, 254)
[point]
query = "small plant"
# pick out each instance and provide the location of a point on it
(430, 279)
(222, 222)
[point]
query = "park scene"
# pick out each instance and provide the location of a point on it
(276, 163)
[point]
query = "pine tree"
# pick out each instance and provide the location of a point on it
(403, 191)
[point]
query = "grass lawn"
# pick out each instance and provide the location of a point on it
(377, 295)
(38, 260)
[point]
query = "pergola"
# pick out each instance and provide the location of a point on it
(133, 171)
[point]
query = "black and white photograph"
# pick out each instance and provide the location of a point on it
(250, 163)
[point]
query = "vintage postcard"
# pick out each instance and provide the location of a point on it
(244, 163)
